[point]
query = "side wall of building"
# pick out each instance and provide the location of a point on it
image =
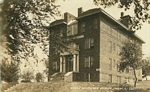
(111, 38)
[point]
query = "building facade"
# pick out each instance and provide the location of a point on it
(97, 40)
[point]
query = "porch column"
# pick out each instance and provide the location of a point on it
(61, 63)
(74, 62)
(77, 62)
(64, 65)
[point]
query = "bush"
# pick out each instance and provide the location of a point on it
(39, 77)
(9, 71)
(27, 76)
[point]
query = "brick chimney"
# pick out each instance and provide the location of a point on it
(80, 11)
(68, 17)
(125, 19)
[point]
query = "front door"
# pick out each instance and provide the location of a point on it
(69, 63)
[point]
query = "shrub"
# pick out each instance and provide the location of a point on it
(27, 76)
(9, 71)
(39, 77)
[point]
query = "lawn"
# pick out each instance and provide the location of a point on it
(62, 86)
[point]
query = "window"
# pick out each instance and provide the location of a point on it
(90, 25)
(95, 24)
(55, 65)
(89, 43)
(110, 78)
(88, 62)
(114, 65)
(118, 79)
(75, 29)
(91, 61)
(118, 49)
(118, 66)
(110, 46)
(110, 64)
(72, 30)
(114, 46)
(83, 27)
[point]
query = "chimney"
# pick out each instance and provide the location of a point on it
(66, 16)
(80, 11)
(122, 14)
(125, 20)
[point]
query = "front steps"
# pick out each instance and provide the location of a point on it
(57, 77)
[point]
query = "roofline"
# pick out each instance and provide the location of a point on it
(57, 23)
(138, 38)
(104, 12)
(101, 10)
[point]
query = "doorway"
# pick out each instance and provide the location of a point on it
(69, 63)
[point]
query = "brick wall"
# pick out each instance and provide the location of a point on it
(109, 33)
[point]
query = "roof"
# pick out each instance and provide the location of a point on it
(99, 10)
(57, 22)
(72, 22)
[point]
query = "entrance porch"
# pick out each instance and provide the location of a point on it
(69, 63)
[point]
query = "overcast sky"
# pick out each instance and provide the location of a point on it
(71, 6)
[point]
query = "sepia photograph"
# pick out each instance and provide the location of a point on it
(75, 45)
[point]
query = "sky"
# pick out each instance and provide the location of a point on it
(72, 6)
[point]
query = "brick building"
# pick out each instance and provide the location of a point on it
(98, 37)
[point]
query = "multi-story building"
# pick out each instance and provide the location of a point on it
(98, 38)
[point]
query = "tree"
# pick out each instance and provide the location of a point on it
(131, 56)
(146, 67)
(141, 9)
(9, 70)
(39, 77)
(24, 25)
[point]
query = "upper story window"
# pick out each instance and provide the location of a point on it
(118, 66)
(110, 64)
(89, 43)
(88, 61)
(110, 46)
(114, 64)
(83, 27)
(72, 29)
(114, 46)
(90, 25)
(118, 35)
(118, 49)
(95, 24)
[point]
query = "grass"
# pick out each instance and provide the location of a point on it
(6, 85)
(62, 86)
